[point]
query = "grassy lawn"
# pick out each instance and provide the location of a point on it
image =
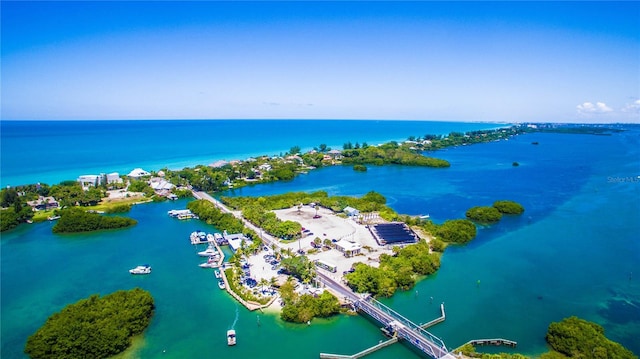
(40, 216)
(111, 202)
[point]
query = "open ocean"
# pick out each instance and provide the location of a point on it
(575, 251)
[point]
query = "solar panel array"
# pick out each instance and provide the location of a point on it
(395, 233)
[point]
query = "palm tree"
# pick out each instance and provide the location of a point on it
(263, 283)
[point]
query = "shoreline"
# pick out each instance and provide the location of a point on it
(190, 160)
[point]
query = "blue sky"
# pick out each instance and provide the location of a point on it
(454, 61)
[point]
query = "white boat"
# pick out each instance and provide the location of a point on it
(221, 284)
(210, 251)
(217, 274)
(231, 337)
(53, 218)
(143, 269)
(212, 262)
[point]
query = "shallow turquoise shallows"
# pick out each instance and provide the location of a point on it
(575, 251)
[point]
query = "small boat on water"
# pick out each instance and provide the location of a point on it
(217, 274)
(143, 269)
(231, 337)
(53, 218)
(221, 284)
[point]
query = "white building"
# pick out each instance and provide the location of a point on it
(235, 240)
(161, 186)
(349, 249)
(113, 178)
(350, 211)
(87, 181)
(137, 173)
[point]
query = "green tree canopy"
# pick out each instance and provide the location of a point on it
(508, 207)
(484, 214)
(457, 231)
(73, 220)
(578, 338)
(97, 327)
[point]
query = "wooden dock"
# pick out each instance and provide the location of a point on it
(437, 320)
(367, 351)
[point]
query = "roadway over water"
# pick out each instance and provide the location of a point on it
(426, 342)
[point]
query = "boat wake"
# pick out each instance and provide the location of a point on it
(233, 326)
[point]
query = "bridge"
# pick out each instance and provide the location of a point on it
(403, 328)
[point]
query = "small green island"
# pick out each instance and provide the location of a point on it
(96, 327)
(75, 220)
(484, 214)
(493, 214)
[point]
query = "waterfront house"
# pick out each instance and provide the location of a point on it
(87, 181)
(137, 173)
(113, 178)
(43, 204)
(218, 164)
(161, 186)
(235, 240)
(335, 154)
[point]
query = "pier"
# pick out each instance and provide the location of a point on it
(401, 327)
(362, 353)
(437, 320)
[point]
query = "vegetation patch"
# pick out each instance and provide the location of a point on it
(360, 168)
(390, 153)
(94, 327)
(118, 208)
(456, 231)
(302, 308)
(577, 338)
(398, 271)
(484, 214)
(74, 220)
(508, 207)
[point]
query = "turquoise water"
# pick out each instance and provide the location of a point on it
(575, 251)
(54, 151)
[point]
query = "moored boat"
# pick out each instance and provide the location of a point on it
(212, 262)
(217, 273)
(143, 269)
(210, 251)
(231, 337)
(221, 284)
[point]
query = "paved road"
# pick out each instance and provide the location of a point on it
(266, 237)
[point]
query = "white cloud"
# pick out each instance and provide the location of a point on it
(590, 108)
(633, 107)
